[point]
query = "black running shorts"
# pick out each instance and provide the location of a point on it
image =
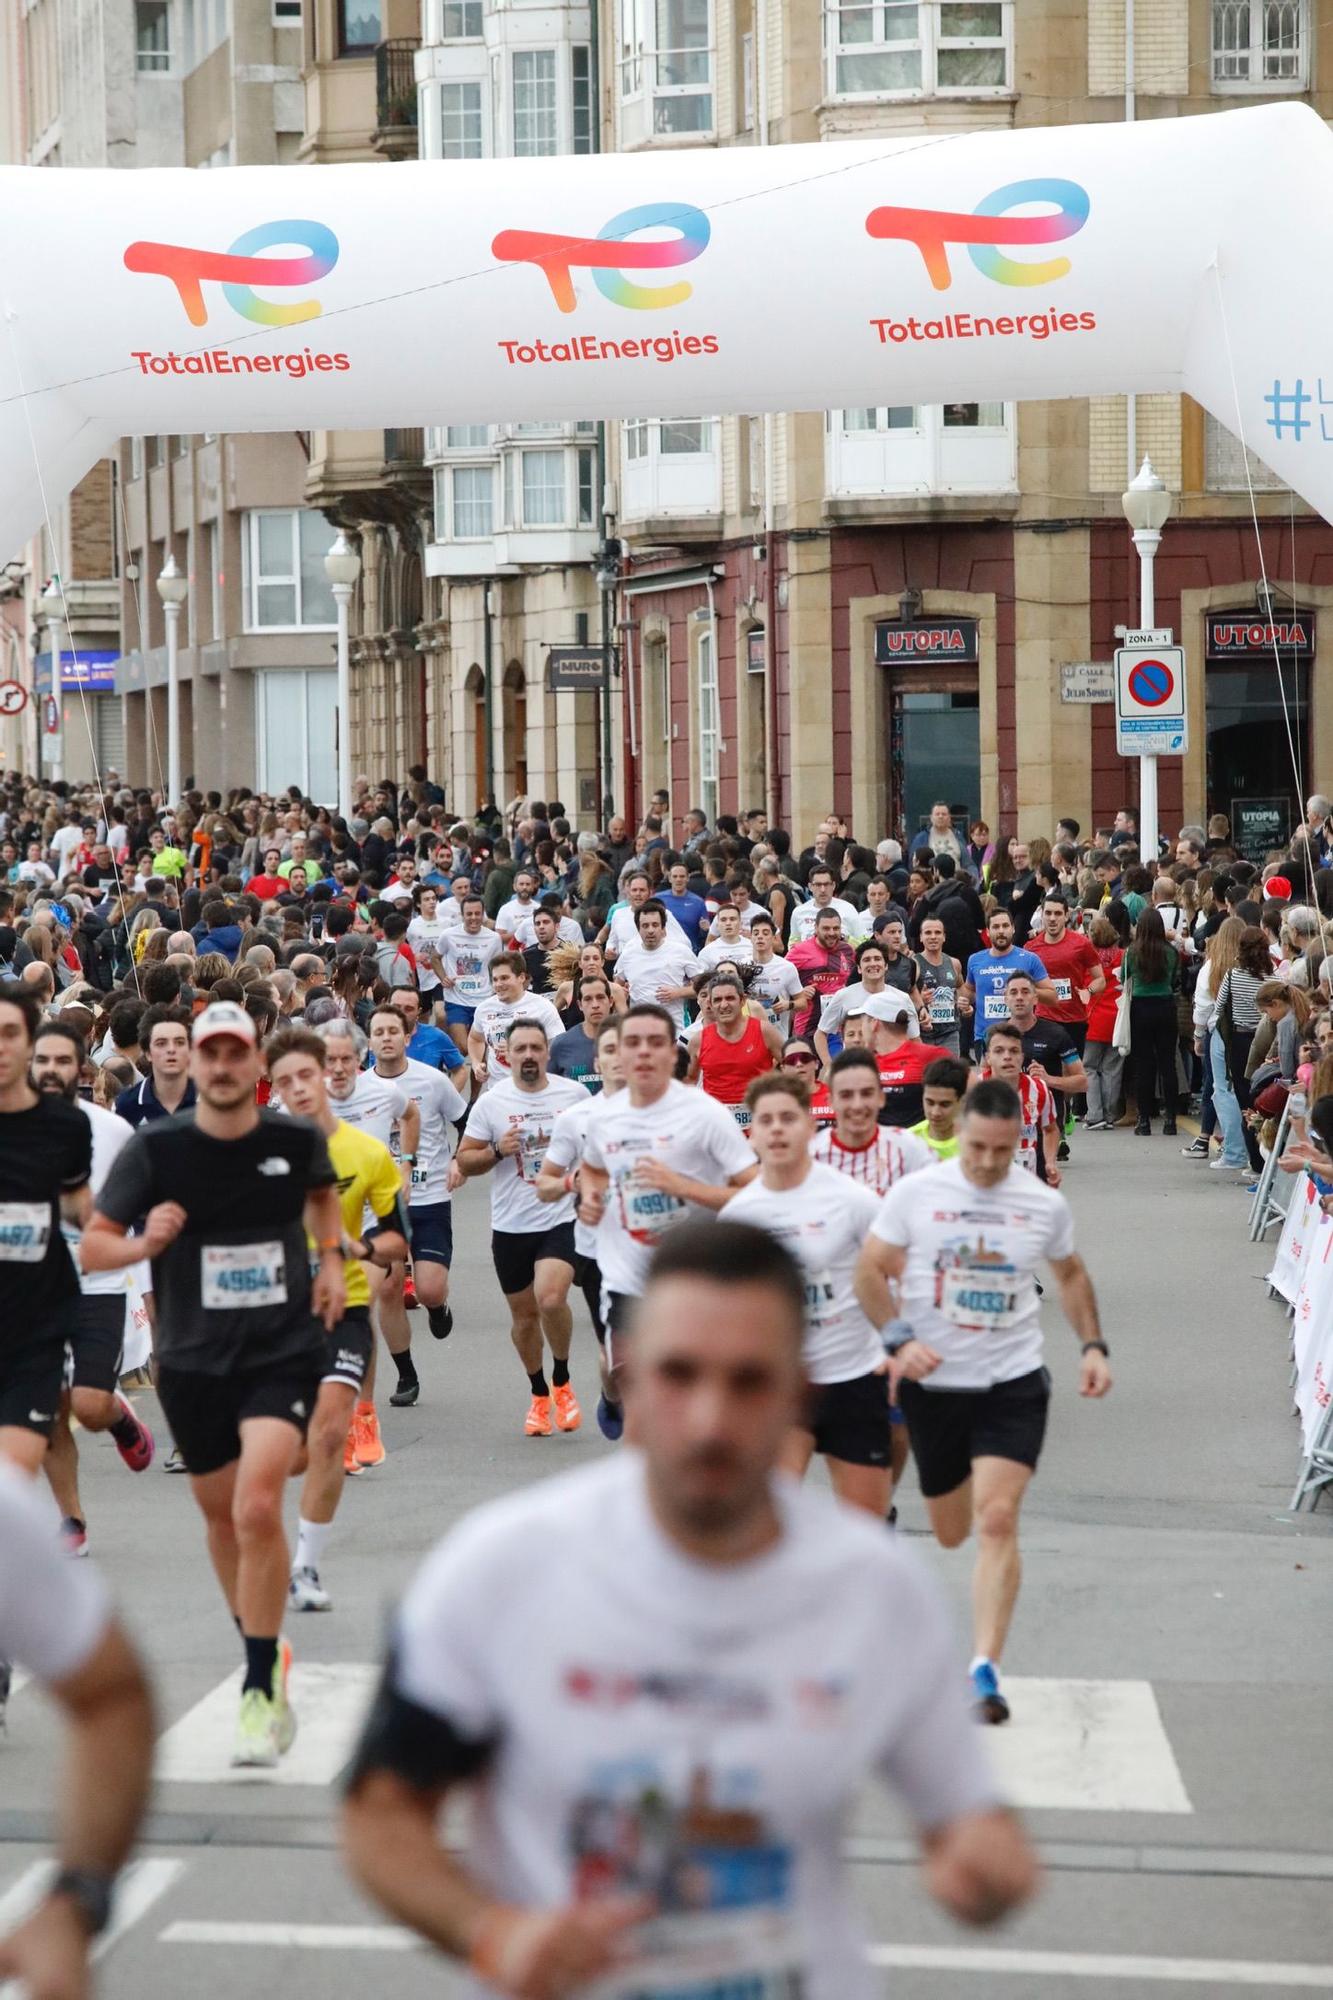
(97, 1339)
(32, 1375)
(516, 1253)
(350, 1347)
(949, 1428)
(850, 1420)
(205, 1412)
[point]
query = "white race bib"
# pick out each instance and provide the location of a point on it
(984, 1298)
(747, 1954)
(531, 1155)
(233, 1275)
(942, 1012)
(995, 1007)
(25, 1231)
(819, 1297)
(646, 1212)
(1063, 989)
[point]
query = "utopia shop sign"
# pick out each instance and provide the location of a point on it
(952, 641)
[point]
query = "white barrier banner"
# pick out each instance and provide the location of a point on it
(1312, 1333)
(1070, 261)
(1289, 1257)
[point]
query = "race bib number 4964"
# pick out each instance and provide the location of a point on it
(242, 1275)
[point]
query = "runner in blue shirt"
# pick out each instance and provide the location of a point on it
(425, 1044)
(689, 910)
(989, 972)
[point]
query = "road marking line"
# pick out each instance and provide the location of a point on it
(141, 1885)
(302, 1937)
(900, 1957)
(330, 1703)
(1209, 1972)
(1086, 1746)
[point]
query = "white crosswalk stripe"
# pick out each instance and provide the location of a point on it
(1086, 1746)
(142, 1884)
(330, 1702)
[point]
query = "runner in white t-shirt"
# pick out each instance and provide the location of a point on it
(488, 1038)
(96, 1328)
(622, 926)
(426, 933)
(433, 1180)
(727, 941)
(668, 1678)
(655, 1153)
(465, 968)
(823, 1220)
(805, 916)
(659, 965)
(949, 1273)
(532, 1243)
(559, 1177)
(773, 984)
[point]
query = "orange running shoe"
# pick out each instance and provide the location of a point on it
(352, 1465)
(568, 1415)
(367, 1444)
(409, 1293)
(537, 1423)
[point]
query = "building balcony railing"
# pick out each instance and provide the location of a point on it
(396, 99)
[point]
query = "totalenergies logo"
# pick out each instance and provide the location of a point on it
(991, 224)
(609, 255)
(239, 269)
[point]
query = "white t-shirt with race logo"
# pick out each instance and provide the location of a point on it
(532, 1115)
(508, 914)
(806, 915)
(467, 961)
(718, 952)
(823, 1222)
(683, 1130)
(968, 1286)
(424, 933)
(375, 1106)
(440, 1105)
(672, 963)
(624, 931)
(492, 1021)
(713, 1723)
(773, 982)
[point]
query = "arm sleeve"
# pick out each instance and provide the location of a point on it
(481, 1123)
(935, 1761)
(128, 1189)
(53, 1613)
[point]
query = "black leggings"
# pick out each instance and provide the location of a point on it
(1152, 1047)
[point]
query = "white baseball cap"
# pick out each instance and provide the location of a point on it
(888, 1006)
(224, 1017)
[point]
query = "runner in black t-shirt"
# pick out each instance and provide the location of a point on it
(46, 1155)
(231, 1194)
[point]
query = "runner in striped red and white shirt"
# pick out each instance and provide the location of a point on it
(856, 1144)
(1041, 1121)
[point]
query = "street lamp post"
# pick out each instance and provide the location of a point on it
(342, 566)
(1147, 506)
(173, 589)
(51, 612)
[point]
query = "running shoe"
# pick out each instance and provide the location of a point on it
(138, 1452)
(305, 1592)
(610, 1419)
(256, 1746)
(352, 1466)
(405, 1395)
(282, 1707)
(537, 1423)
(1062, 1150)
(73, 1536)
(568, 1415)
(173, 1462)
(410, 1299)
(440, 1319)
(989, 1705)
(367, 1444)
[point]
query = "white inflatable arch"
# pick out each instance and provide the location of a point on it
(1085, 260)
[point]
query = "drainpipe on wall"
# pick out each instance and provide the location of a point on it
(487, 615)
(773, 787)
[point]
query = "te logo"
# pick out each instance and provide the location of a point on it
(991, 223)
(240, 268)
(610, 254)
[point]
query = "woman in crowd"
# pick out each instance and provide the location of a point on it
(1151, 971)
(1104, 1063)
(1234, 1021)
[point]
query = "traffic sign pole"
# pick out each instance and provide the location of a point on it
(1147, 543)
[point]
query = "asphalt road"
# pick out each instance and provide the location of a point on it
(1171, 1742)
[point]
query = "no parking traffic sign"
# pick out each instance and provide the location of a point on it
(1150, 701)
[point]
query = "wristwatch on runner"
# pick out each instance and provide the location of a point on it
(1100, 1346)
(90, 1893)
(895, 1335)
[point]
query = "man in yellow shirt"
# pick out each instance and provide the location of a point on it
(344, 1431)
(943, 1088)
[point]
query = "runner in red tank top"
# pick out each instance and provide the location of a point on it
(730, 1051)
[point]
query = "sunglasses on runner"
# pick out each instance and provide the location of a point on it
(796, 1062)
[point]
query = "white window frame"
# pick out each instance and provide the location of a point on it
(1235, 12)
(709, 743)
(252, 580)
(922, 456)
(161, 59)
(447, 479)
(461, 114)
(929, 40)
(646, 469)
(643, 72)
(462, 11)
(549, 111)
